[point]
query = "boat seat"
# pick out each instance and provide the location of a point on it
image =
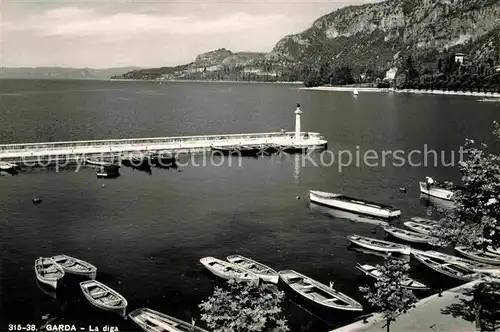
(333, 299)
(111, 301)
(98, 294)
(308, 287)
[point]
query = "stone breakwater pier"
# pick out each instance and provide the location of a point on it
(74, 150)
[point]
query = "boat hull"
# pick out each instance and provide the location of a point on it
(51, 283)
(437, 192)
(417, 228)
(409, 286)
(250, 277)
(240, 261)
(486, 260)
(319, 198)
(91, 273)
(116, 309)
(470, 264)
(160, 322)
(354, 307)
(453, 276)
(407, 237)
(402, 251)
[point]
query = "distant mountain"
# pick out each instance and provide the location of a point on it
(62, 73)
(370, 38)
(383, 34)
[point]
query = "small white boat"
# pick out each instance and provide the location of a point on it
(424, 221)
(373, 272)
(262, 271)
(470, 264)
(410, 236)
(5, 166)
(450, 269)
(436, 189)
(228, 270)
(379, 245)
(355, 205)
(318, 292)
(419, 228)
(75, 266)
(103, 296)
(355, 92)
(479, 255)
(48, 272)
(153, 321)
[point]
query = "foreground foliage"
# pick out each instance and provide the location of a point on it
(244, 307)
(474, 220)
(389, 295)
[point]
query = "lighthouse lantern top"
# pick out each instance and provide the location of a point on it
(298, 111)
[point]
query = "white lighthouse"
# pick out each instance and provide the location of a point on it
(298, 112)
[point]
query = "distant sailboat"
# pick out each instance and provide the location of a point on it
(355, 92)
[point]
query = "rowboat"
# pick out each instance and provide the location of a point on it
(103, 296)
(48, 272)
(228, 270)
(355, 205)
(424, 221)
(470, 264)
(75, 266)
(419, 228)
(262, 271)
(410, 236)
(153, 321)
(450, 269)
(5, 166)
(318, 292)
(479, 255)
(379, 245)
(439, 190)
(373, 272)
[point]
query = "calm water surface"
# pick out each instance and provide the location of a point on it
(146, 233)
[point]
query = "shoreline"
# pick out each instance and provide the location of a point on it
(428, 308)
(206, 81)
(494, 95)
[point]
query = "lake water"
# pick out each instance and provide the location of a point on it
(147, 232)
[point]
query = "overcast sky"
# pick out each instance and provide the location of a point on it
(114, 33)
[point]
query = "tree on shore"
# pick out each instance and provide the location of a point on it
(474, 220)
(244, 307)
(389, 295)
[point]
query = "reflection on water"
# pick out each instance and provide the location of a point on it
(47, 290)
(296, 168)
(335, 213)
(437, 203)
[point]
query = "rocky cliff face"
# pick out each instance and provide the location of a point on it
(225, 58)
(383, 33)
